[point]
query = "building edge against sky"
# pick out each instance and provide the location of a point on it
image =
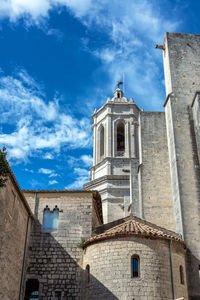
(160, 152)
(152, 219)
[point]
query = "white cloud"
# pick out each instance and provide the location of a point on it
(45, 171)
(77, 184)
(87, 160)
(83, 177)
(38, 124)
(29, 170)
(48, 172)
(51, 182)
(34, 12)
(48, 156)
(132, 28)
(81, 172)
(53, 175)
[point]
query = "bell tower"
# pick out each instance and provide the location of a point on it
(115, 156)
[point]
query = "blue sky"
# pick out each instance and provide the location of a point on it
(61, 59)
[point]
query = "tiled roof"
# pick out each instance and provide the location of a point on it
(133, 228)
(58, 191)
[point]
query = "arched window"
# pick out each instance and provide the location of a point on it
(120, 137)
(181, 275)
(88, 273)
(32, 289)
(102, 141)
(50, 219)
(135, 266)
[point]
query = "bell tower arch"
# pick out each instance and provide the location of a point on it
(115, 156)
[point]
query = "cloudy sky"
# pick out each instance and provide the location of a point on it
(61, 59)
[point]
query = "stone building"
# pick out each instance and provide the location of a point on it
(15, 228)
(160, 152)
(137, 221)
(55, 260)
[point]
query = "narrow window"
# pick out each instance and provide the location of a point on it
(88, 273)
(57, 295)
(135, 261)
(32, 289)
(118, 95)
(102, 141)
(181, 275)
(50, 219)
(120, 137)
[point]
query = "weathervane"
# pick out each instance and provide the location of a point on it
(119, 83)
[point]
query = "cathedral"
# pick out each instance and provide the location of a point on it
(133, 232)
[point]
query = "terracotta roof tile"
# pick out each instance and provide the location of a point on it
(133, 228)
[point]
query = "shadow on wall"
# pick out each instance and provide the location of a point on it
(58, 273)
(193, 267)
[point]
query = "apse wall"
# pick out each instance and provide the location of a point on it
(110, 275)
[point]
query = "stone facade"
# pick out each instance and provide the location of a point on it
(154, 172)
(54, 256)
(164, 168)
(182, 73)
(15, 227)
(116, 282)
(144, 163)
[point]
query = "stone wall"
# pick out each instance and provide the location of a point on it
(154, 173)
(55, 259)
(110, 270)
(13, 226)
(182, 73)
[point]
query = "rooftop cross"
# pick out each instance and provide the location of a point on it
(119, 83)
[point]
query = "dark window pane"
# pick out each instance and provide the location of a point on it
(135, 266)
(120, 137)
(101, 141)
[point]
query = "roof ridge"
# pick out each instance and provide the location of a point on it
(132, 227)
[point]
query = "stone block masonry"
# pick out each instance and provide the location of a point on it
(15, 227)
(182, 72)
(110, 264)
(54, 257)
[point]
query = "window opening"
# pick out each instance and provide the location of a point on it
(50, 219)
(181, 275)
(32, 289)
(118, 95)
(57, 295)
(135, 266)
(102, 141)
(88, 273)
(120, 137)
